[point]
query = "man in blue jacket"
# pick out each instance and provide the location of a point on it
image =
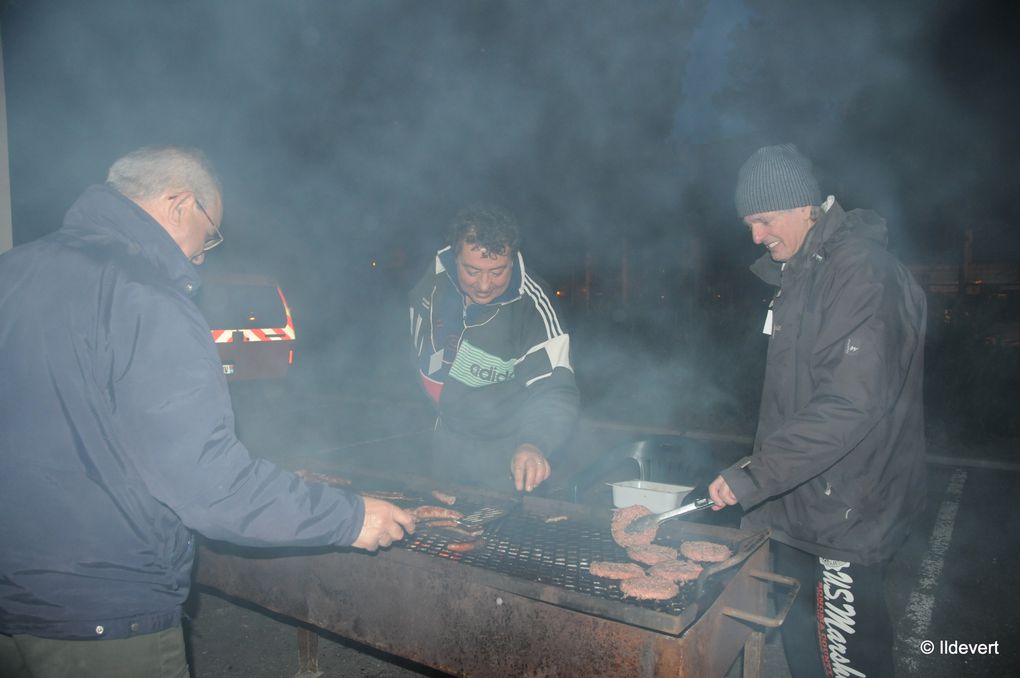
(118, 434)
(837, 471)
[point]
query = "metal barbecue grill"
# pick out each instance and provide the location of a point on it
(559, 554)
(522, 603)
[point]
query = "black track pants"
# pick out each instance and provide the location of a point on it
(839, 625)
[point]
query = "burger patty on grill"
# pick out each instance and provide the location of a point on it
(624, 517)
(649, 588)
(676, 570)
(705, 551)
(607, 570)
(651, 554)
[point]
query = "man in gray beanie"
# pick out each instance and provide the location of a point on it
(837, 469)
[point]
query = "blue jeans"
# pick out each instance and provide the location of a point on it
(154, 655)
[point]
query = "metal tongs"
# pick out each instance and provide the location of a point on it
(700, 500)
(475, 524)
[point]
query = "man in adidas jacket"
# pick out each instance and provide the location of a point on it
(493, 356)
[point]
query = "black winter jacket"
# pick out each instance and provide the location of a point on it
(118, 435)
(503, 368)
(838, 463)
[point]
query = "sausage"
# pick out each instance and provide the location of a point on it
(445, 498)
(313, 477)
(453, 528)
(430, 512)
(464, 546)
(441, 522)
(388, 495)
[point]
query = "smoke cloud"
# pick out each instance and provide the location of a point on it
(349, 133)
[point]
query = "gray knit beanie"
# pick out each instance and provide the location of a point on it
(776, 178)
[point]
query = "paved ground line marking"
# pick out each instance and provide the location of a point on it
(991, 464)
(917, 616)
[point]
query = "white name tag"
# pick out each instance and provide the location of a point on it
(767, 329)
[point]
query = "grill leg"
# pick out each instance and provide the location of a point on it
(308, 654)
(754, 651)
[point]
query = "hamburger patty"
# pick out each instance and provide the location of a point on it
(705, 551)
(676, 570)
(624, 517)
(651, 554)
(649, 588)
(607, 570)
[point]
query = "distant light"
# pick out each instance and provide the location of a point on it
(559, 293)
(373, 263)
(251, 318)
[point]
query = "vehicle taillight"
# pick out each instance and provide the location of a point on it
(286, 311)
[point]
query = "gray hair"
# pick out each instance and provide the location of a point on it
(150, 171)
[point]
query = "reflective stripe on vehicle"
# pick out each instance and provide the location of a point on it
(261, 334)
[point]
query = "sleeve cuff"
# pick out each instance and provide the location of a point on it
(742, 483)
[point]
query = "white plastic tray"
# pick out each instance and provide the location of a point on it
(656, 497)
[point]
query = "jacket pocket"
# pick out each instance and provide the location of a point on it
(839, 510)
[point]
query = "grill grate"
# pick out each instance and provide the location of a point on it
(556, 554)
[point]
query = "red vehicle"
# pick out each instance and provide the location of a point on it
(251, 325)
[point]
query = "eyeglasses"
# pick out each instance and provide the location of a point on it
(216, 238)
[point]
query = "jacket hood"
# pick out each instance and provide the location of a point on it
(834, 227)
(447, 261)
(104, 219)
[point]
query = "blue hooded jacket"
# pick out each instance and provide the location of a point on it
(118, 435)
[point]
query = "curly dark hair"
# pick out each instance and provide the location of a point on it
(487, 226)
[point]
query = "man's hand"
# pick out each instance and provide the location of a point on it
(384, 524)
(721, 494)
(529, 468)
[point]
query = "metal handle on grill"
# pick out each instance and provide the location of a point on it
(762, 620)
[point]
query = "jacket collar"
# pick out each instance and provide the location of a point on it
(103, 217)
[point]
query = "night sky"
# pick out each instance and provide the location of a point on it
(350, 132)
